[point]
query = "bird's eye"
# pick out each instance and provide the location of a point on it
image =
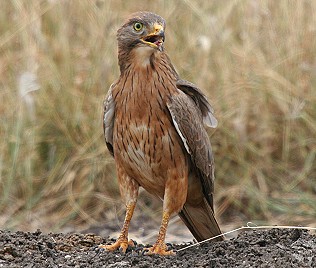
(138, 26)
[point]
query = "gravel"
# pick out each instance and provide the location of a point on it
(257, 248)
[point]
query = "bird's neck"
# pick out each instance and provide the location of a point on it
(144, 58)
(145, 81)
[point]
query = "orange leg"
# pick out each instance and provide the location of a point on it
(122, 242)
(160, 247)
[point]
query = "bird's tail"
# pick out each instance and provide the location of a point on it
(201, 221)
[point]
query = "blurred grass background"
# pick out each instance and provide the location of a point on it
(256, 60)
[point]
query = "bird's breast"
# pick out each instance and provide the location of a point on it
(147, 150)
(145, 141)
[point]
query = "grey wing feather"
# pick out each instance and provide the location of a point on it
(108, 119)
(188, 121)
(200, 99)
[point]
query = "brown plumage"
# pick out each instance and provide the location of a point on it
(154, 128)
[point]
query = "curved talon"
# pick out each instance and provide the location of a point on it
(159, 250)
(122, 244)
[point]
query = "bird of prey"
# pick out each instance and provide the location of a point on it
(154, 127)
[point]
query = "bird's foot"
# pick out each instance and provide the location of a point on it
(159, 249)
(121, 243)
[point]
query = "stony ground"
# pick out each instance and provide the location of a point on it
(263, 248)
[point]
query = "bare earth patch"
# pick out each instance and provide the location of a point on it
(263, 248)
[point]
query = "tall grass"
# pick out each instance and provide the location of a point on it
(256, 60)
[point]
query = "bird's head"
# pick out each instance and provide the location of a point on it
(142, 29)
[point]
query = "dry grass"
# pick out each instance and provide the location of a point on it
(255, 59)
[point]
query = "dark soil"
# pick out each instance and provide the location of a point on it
(264, 248)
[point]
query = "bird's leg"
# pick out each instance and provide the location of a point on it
(129, 192)
(174, 198)
(160, 247)
(122, 242)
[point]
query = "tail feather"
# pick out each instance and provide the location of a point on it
(201, 221)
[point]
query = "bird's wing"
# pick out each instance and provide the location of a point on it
(200, 100)
(108, 119)
(189, 109)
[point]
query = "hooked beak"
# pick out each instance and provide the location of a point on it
(155, 38)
